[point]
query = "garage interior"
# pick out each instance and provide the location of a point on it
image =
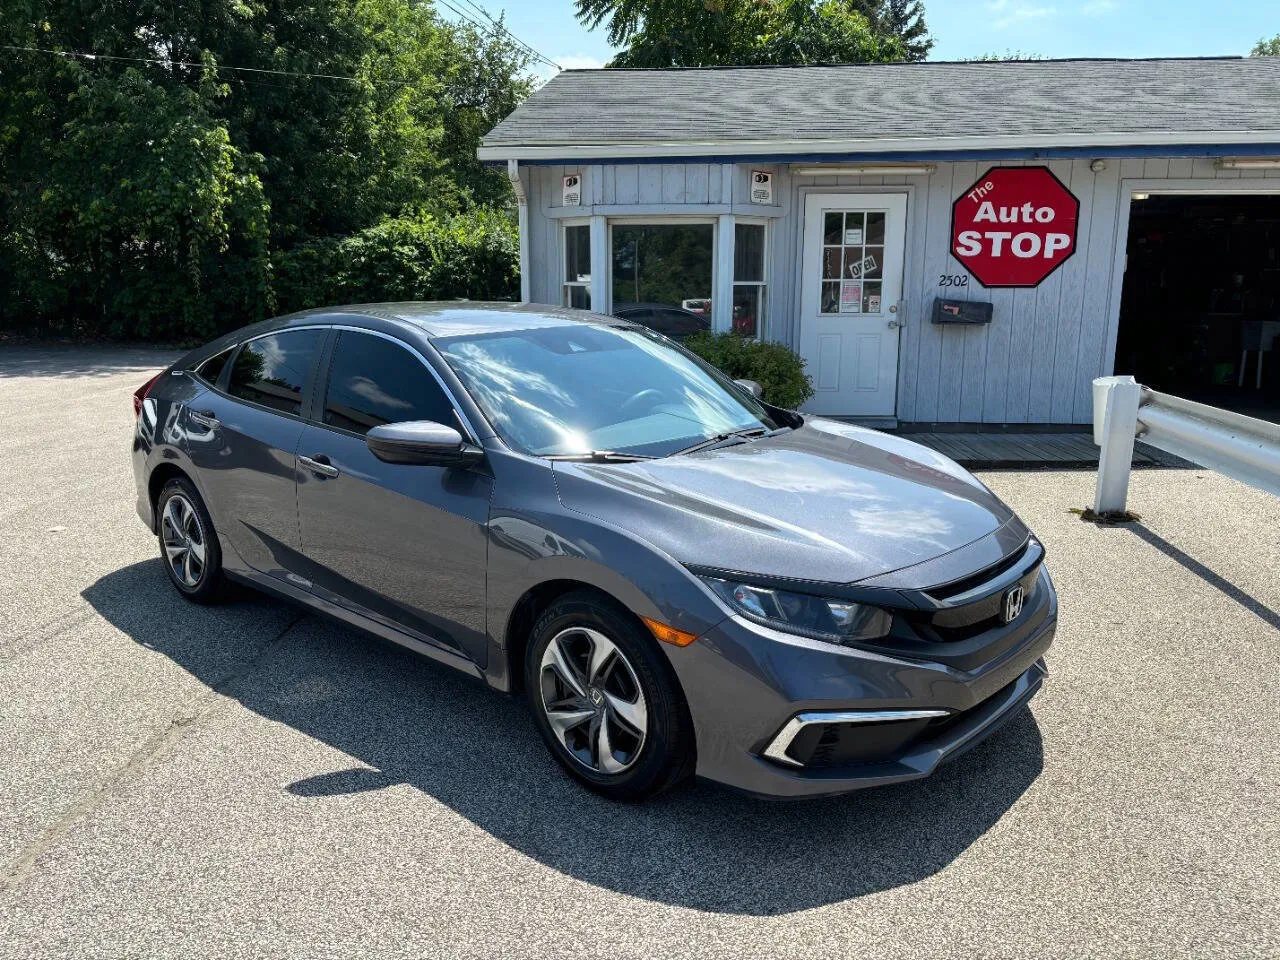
(1200, 308)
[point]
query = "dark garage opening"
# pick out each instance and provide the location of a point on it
(1200, 308)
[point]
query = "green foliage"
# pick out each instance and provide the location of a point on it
(150, 199)
(1266, 48)
(473, 256)
(777, 368)
(676, 33)
(903, 19)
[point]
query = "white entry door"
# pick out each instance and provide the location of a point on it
(849, 305)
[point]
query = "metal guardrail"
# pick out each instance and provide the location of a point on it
(1229, 443)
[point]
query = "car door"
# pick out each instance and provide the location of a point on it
(403, 544)
(242, 436)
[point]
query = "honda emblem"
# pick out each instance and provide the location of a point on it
(1012, 603)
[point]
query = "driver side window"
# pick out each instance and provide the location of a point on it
(373, 381)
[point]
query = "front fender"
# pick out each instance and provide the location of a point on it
(534, 540)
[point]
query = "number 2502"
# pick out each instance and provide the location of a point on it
(953, 280)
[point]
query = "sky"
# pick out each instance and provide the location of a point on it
(968, 28)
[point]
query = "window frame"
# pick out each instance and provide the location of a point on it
(763, 283)
(565, 284)
(660, 221)
(316, 412)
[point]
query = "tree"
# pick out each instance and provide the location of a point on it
(676, 33)
(1266, 48)
(903, 19)
(156, 158)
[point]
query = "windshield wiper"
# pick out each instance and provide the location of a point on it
(749, 432)
(600, 456)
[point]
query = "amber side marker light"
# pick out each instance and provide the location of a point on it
(669, 634)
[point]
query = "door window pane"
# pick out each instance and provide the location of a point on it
(272, 370)
(871, 300)
(373, 381)
(831, 228)
(577, 296)
(663, 264)
(875, 228)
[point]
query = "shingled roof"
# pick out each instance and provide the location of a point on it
(871, 108)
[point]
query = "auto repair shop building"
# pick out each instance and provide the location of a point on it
(942, 242)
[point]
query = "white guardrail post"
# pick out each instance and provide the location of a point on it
(1229, 443)
(1115, 423)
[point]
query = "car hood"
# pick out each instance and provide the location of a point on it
(829, 501)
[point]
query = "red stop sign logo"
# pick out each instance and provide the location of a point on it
(1014, 227)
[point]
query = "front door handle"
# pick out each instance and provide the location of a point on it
(205, 418)
(895, 324)
(317, 465)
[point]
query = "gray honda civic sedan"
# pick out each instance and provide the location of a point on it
(679, 577)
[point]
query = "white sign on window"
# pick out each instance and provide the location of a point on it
(572, 192)
(761, 186)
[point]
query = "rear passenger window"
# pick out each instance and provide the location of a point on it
(210, 370)
(373, 381)
(272, 370)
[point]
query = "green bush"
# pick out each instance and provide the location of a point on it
(473, 256)
(777, 368)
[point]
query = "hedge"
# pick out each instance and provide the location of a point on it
(776, 367)
(473, 256)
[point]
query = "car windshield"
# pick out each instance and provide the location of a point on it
(559, 391)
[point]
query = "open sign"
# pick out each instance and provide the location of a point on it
(1015, 226)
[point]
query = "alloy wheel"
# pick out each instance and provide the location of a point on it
(592, 699)
(184, 541)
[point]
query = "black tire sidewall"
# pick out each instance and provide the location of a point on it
(209, 586)
(666, 755)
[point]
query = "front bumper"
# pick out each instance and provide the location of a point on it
(751, 688)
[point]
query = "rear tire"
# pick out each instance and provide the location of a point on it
(605, 699)
(188, 543)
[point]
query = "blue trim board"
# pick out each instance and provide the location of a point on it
(921, 156)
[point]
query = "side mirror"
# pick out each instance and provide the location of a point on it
(751, 387)
(422, 442)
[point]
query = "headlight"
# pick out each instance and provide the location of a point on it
(840, 621)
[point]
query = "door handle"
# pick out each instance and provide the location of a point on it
(895, 324)
(205, 418)
(318, 465)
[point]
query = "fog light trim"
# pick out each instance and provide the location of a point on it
(778, 746)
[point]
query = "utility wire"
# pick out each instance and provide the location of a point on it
(494, 27)
(179, 63)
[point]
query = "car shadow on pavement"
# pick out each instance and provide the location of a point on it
(410, 721)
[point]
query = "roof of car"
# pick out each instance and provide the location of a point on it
(460, 317)
(718, 110)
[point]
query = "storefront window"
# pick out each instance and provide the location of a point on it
(663, 265)
(577, 267)
(748, 279)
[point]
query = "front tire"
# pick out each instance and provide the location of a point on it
(605, 699)
(188, 542)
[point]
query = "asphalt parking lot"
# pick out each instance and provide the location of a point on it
(251, 781)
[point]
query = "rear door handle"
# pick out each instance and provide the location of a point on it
(205, 418)
(317, 465)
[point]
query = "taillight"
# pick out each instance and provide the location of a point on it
(141, 393)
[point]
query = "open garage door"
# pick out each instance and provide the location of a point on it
(1200, 311)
